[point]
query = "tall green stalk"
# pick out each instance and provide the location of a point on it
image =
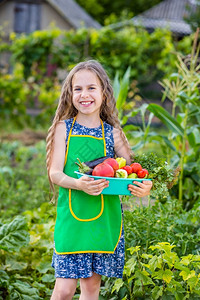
(189, 74)
(183, 157)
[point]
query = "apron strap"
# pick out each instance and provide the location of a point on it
(70, 133)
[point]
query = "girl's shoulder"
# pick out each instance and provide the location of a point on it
(60, 131)
(60, 126)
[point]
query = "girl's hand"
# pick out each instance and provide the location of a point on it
(141, 189)
(91, 186)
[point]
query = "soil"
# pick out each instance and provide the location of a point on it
(27, 137)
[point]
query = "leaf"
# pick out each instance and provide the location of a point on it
(146, 256)
(44, 267)
(179, 266)
(143, 278)
(166, 118)
(143, 108)
(124, 86)
(167, 275)
(155, 262)
(192, 282)
(138, 146)
(4, 279)
(170, 258)
(194, 137)
(14, 235)
(24, 291)
(117, 285)
(165, 246)
(48, 278)
(186, 260)
(13, 264)
(187, 274)
(157, 292)
(130, 266)
(134, 249)
(168, 143)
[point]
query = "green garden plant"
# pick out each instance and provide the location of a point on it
(159, 274)
(13, 236)
(147, 226)
(29, 270)
(27, 274)
(124, 105)
(23, 178)
(183, 140)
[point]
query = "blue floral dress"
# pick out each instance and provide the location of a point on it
(84, 264)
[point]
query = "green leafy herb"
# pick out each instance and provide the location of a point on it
(161, 173)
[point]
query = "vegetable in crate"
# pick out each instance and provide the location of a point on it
(136, 167)
(121, 161)
(128, 169)
(113, 163)
(93, 163)
(83, 168)
(121, 173)
(88, 166)
(133, 175)
(104, 170)
(142, 173)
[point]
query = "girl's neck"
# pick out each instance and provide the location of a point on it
(88, 121)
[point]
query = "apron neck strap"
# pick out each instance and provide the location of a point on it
(103, 135)
(102, 126)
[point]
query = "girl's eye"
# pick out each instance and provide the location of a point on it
(77, 89)
(91, 88)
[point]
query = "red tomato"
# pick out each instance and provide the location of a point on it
(104, 170)
(136, 167)
(143, 173)
(112, 162)
(128, 169)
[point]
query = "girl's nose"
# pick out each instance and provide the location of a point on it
(84, 94)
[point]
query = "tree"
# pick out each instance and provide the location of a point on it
(103, 9)
(193, 17)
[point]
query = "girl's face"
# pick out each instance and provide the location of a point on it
(87, 93)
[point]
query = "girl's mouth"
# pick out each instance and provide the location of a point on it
(86, 103)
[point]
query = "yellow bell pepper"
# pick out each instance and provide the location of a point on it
(121, 161)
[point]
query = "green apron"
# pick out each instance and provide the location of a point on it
(86, 223)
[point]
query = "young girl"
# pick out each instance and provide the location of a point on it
(89, 240)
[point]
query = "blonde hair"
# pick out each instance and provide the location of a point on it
(66, 109)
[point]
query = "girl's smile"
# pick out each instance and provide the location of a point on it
(87, 93)
(86, 103)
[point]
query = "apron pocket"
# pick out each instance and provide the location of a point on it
(85, 207)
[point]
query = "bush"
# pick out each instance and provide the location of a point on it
(38, 58)
(23, 178)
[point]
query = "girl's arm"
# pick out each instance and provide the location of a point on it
(57, 176)
(122, 150)
(121, 147)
